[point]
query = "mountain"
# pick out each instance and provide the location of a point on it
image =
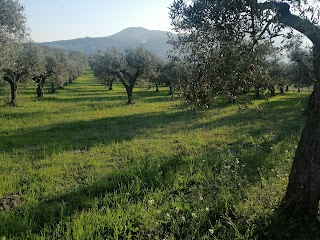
(153, 40)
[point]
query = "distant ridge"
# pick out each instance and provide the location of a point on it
(153, 40)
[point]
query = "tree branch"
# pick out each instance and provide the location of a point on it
(285, 17)
(121, 78)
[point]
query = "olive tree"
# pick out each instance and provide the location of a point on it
(12, 30)
(62, 67)
(301, 69)
(128, 66)
(172, 74)
(103, 68)
(227, 57)
(77, 63)
(136, 63)
(257, 21)
(29, 62)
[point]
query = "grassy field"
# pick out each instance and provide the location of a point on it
(80, 164)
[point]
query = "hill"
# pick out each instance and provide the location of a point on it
(153, 40)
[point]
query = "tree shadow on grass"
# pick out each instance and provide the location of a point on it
(106, 130)
(132, 182)
(83, 135)
(279, 227)
(85, 98)
(70, 136)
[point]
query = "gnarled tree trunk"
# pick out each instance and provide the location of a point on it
(303, 191)
(129, 90)
(40, 90)
(110, 84)
(13, 93)
(13, 90)
(281, 89)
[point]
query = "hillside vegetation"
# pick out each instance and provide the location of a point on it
(80, 164)
(153, 40)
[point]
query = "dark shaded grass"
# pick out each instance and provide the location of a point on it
(192, 167)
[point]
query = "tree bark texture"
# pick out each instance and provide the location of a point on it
(110, 85)
(303, 191)
(40, 90)
(129, 90)
(13, 90)
(13, 93)
(281, 89)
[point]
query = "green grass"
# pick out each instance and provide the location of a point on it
(80, 164)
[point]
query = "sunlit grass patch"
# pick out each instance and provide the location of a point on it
(81, 164)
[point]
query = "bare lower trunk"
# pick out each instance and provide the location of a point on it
(110, 84)
(303, 191)
(40, 91)
(170, 90)
(13, 93)
(129, 90)
(281, 89)
(157, 87)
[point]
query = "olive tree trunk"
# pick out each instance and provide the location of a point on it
(13, 90)
(303, 191)
(129, 90)
(13, 93)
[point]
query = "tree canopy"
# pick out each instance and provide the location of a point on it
(210, 27)
(127, 66)
(12, 29)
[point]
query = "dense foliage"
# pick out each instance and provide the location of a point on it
(127, 66)
(214, 27)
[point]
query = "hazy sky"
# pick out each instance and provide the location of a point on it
(51, 20)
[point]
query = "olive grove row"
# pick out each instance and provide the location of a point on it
(234, 70)
(22, 60)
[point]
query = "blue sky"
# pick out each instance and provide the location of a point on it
(50, 20)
